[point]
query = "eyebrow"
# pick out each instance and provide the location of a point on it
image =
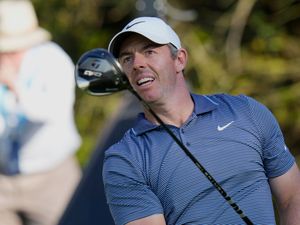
(123, 54)
(150, 45)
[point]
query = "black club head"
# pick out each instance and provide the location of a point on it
(97, 72)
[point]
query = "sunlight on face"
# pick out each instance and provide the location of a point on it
(149, 67)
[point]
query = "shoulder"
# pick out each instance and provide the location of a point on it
(49, 52)
(244, 106)
(221, 98)
(240, 102)
(124, 156)
(127, 145)
(48, 46)
(251, 110)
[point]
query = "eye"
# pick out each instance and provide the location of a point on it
(149, 52)
(125, 60)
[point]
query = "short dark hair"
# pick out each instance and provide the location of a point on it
(173, 50)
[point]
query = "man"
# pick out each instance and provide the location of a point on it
(147, 177)
(38, 137)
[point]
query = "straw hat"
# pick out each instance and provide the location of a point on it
(19, 27)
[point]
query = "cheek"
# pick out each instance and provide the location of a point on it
(165, 67)
(128, 75)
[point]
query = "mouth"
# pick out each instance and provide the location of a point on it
(144, 81)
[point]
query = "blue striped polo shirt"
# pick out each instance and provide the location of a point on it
(235, 138)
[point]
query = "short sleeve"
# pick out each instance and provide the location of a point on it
(277, 158)
(127, 192)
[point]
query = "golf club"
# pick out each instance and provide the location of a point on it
(98, 73)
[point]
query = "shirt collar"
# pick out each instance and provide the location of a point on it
(203, 104)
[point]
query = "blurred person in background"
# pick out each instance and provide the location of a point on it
(38, 136)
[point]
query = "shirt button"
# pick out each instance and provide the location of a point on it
(188, 144)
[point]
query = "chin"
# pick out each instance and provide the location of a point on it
(150, 99)
(149, 96)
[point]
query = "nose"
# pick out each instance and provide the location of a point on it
(139, 61)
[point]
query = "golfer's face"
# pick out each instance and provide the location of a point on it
(149, 68)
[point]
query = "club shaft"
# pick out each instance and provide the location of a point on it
(196, 162)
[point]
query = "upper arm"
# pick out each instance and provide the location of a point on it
(127, 191)
(157, 219)
(286, 186)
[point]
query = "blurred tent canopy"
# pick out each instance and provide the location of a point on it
(235, 46)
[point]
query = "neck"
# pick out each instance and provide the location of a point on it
(172, 112)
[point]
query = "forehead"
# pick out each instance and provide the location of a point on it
(134, 41)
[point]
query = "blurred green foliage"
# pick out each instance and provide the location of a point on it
(250, 47)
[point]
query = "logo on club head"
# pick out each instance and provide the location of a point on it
(91, 73)
(95, 64)
(93, 67)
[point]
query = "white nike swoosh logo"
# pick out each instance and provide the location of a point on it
(221, 128)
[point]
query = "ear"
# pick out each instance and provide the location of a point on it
(181, 60)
